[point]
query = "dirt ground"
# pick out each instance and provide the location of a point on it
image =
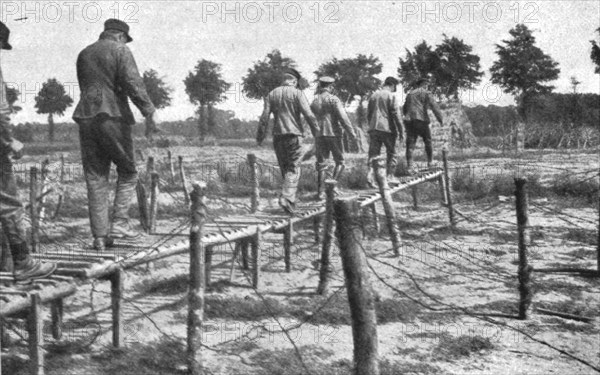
(444, 304)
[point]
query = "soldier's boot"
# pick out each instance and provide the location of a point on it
(321, 177)
(121, 226)
(337, 172)
(26, 268)
(102, 243)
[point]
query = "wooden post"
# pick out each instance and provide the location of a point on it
(448, 188)
(415, 198)
(375, 219)
(56, 310)
(255, 243)
(186, 195)
(208, 255)
(442, 185)
(386, 199)
(288, 241)
(116, 296)
(255, 181)
(143, 206)
(524, 272)
(62, 167)
(35, 324)
(328, 227)
(317, 228)
(598, 241)
(244, 250)
(360, 293)
(197, 281)
(150, 165)
(171, 169)
(6, 261)
(33, 212)
(154, 201)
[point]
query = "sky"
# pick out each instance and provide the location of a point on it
(171, 36)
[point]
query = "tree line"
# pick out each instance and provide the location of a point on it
(521, 69)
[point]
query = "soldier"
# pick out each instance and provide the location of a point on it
(108, 75)
(11, 210)
(418, 101)
(332, 119)
(385, 126)
(287, 103)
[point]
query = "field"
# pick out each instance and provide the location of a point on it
(445, 305)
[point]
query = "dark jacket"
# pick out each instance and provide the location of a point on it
(384, 113)
(288, 104)
(418, 102)
(331, 116)
(5, 127)
(107, 75)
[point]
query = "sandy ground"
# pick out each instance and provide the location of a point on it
(430, 298)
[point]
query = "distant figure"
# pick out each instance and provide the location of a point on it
(418, 101)
(385, 126)
(108, 76)
(287, 103)
(11, 210)
(332, 119)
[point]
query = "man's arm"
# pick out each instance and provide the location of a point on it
(396, 117)
(308, 114)
(343, 116)
(130, 80)
(263, 123)
(435, 108)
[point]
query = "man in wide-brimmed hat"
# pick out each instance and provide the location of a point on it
(333, 120)
(108, 76)
(11, 209)
(385, 126)
(418, 101)
(288, 104)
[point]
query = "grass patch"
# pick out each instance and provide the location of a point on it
(568, 185)
(467, 181)
(585, 236)
(451, 348)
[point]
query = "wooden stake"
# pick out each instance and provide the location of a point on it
(448, 194)
(33, 211)
(256, 243)
(150, 165)
(171, 169)
(288, 241)
(328, 227)
(375, 219)
(415, 198)
(360, 293)
(56, 310)
(116, 295)
(208, 255)
(154, 201)
(442, 185)
(62, 167)
(598, 241)
(317, 228)
(386, 199)
(186, 195)
(255, 181)
(143, 206)
(35, 324)
(6, 262)
(197, 281)
(244, 249)
(524, 272)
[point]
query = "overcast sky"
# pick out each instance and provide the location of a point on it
(172, 36)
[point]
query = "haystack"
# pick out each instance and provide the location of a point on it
(457, 131)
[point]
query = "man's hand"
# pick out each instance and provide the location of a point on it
(261, 133)
(16, 148)
(152, 125)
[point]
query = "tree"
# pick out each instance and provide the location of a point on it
(205, 88)
(451, 66)
(596, 53)
(12, 95)
(159, 92)
(459, 69)
(522, 68)
(422, 62)
(266, 75)
(52, 100)
(355, 77)
(574, 83)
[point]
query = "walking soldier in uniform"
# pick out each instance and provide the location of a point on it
(11, 210)
(287, 103)
(385, 126)
(332, 120)
(415, 108)
(108, 76)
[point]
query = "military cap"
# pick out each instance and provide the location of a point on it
(326, 79)
(4, 35)
(391, 81)
(115, 24)
(293, 72)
